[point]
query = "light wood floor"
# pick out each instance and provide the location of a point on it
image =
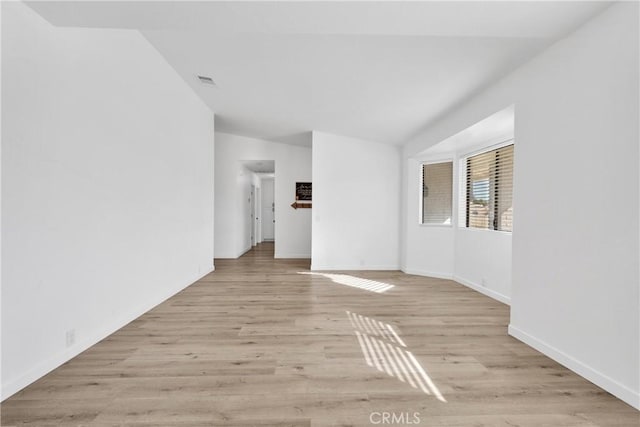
(257, 344)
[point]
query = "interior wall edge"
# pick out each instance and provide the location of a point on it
(292, 256)
(434, 274)
(483, 290)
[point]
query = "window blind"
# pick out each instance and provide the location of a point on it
(490, 190)
(437, 183)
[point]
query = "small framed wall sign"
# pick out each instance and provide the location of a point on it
(303, 191)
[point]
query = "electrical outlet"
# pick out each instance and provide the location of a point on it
(483, 282)
(70, 337)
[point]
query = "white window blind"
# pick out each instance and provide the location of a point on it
(437, 183)
(490, 190)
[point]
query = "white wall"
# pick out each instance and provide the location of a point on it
(429, 250)
(1, 186)
(293, 164)
(483, 261)
(356, 200)
(576, 196)
(479, 259)
(107, 188)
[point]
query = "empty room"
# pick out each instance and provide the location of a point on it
(320, 213)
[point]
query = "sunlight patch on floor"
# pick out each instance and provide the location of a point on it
(353, 281)
(384, 350)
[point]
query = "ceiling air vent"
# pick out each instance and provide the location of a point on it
(206, 80)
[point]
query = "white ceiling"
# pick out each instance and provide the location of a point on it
(379, 71)
(260, 166)
(495, 129)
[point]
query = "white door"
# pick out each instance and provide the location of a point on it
(268, 210)
(252, 214)
(258, 216)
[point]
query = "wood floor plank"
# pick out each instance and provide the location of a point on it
(260, 342)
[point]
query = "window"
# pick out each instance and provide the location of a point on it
(489, 190)
(437, 183)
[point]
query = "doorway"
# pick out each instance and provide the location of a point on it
(260, 210)
(268, 210)
(252, 215)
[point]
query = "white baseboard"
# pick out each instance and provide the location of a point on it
(621, 391)
(483, 290)
(292, 256)
(226, 256)
(469, 284)
(57, 360)
(436, 275)
(229, 255)
(317, 267)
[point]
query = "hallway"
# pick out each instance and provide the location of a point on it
(265, 342)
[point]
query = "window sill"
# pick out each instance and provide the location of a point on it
(435, 225)
(485, 230)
